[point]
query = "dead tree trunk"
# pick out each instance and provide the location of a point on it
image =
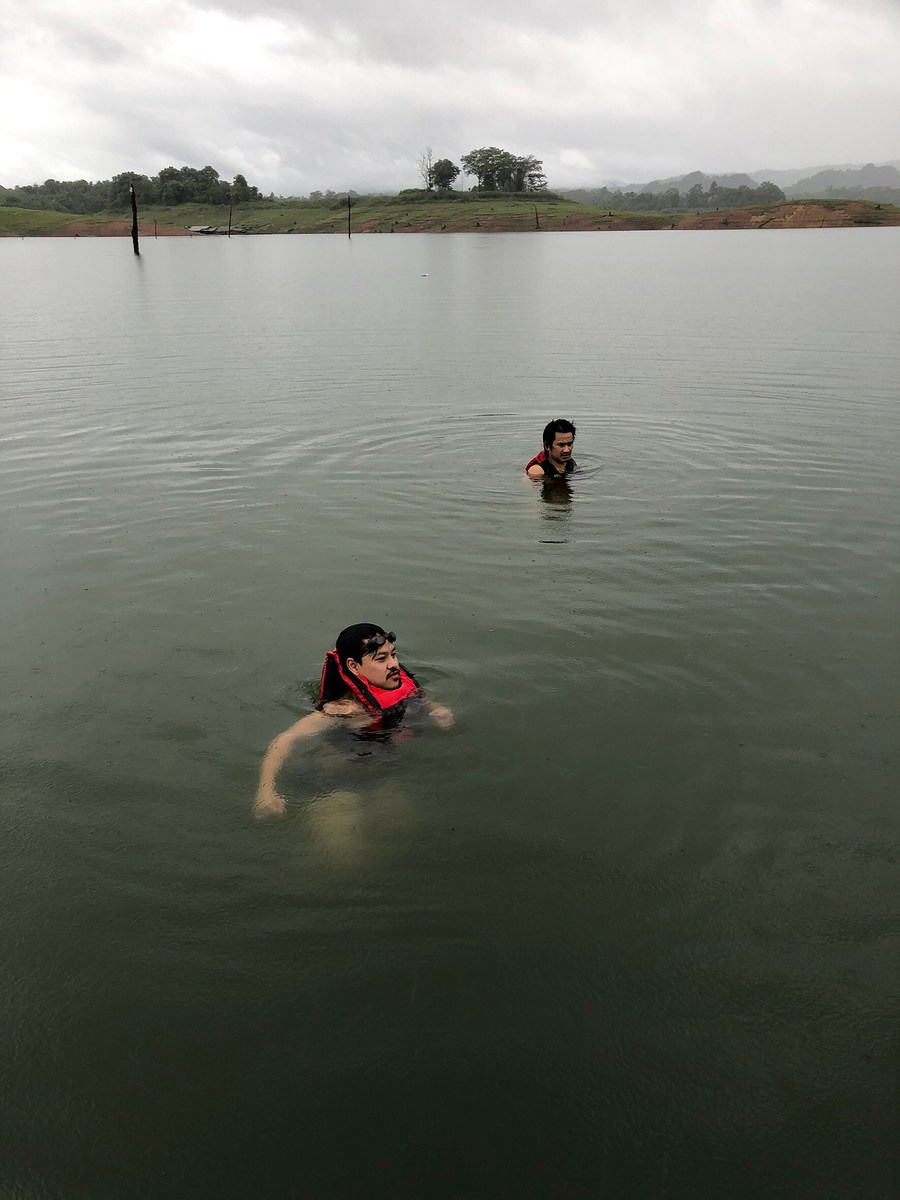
(134, 221)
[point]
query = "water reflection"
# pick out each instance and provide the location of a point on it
(359, 826)
(556, 506)
(557, 492)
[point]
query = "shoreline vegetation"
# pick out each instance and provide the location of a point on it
(399, 214)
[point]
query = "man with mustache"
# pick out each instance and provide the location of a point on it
(555, 461)
(363, 683)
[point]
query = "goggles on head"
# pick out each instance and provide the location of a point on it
(372, 644)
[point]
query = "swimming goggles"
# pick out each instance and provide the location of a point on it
(371, 644)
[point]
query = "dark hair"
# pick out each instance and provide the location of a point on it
(560, 425)
(350, 644)
(351, 641)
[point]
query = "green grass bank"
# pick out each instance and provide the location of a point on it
(454, 213)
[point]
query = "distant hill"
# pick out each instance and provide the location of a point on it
(656, 187)
(846, 179)
(683, 183)
(696, 195)
(787, 179)
(865, 183)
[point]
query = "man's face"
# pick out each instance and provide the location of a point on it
(380, 668)
(561, 450)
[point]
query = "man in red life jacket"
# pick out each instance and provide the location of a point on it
(362, 683)
(555, 461)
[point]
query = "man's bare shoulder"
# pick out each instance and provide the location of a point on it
(347, 707)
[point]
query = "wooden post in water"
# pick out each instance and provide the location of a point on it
(155, 232)
(134, 223)
(230, 211)
(348, 215)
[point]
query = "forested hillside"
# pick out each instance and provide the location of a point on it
(173, 185)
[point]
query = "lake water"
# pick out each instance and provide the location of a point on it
(629, 929)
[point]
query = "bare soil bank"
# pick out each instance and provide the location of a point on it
(795, 216)
(785, 216)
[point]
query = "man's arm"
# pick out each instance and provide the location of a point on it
(440, 714)
(269, 802)
(535, 472)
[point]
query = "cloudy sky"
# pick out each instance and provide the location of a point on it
(305, 94)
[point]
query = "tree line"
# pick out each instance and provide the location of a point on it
(882, 195)
(693, 200)
(173, 185)
(493, 169)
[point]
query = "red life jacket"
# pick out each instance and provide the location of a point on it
(537, 461)
(550, 472)
(382, 702)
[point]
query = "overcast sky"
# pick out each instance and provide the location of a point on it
(306, 94)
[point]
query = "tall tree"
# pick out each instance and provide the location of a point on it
(443, 173)
(426, 168)
(695, 197)
(497, 170)
(769, 193)
(483, 164)
(528, 174)
(173, 188)
(120, 189)
(241, 191)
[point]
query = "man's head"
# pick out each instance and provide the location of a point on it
(367, 651)
(559, 438)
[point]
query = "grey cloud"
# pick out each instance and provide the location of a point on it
(309, 95)
(75, 39)
(420, 33)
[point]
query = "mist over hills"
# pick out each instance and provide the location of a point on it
(684, 183)
(879, 182)
(869, 174)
